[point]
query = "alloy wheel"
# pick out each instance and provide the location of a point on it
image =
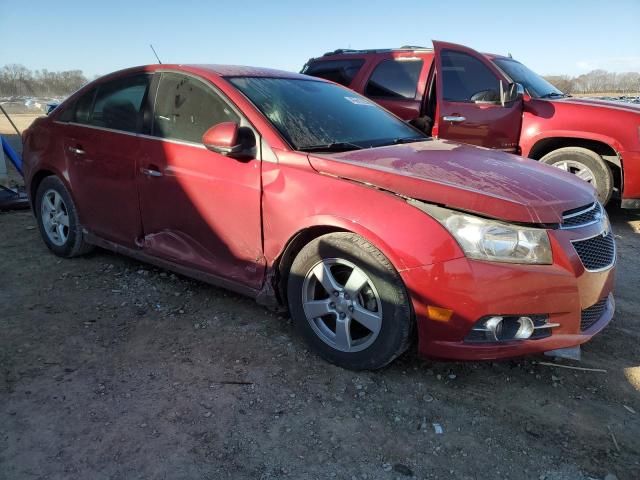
(342, 305)
(55, 217)
(578, 169)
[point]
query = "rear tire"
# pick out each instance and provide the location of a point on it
(349, 303)
(58, 219)
(587, 165)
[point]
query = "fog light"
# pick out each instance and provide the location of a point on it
(499, 329)
(505, 328)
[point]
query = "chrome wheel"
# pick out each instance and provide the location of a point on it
(342, 305)
(578, 169)
(55, 217)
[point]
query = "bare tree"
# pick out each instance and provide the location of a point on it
(19, 80)
(598, 81)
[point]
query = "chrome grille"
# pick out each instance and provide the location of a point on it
(583, 216)
(592, 314)
(597, 253)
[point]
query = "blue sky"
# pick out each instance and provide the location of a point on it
(551, 37)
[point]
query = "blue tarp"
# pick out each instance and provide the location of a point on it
(12, 154)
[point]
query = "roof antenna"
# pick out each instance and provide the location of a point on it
(154, 52)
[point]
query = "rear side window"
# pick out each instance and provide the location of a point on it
(467, 79)
(396, 79)
(339, 71)
(186, 108)
(79, 110)
(118, 103)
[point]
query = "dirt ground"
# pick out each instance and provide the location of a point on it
(113, 369)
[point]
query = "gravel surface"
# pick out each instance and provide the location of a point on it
(110, 368)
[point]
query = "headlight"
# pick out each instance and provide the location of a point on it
(495, 241)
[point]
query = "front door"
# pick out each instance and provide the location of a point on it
(199, 208)
(469, 108)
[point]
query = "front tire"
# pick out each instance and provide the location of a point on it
(349, 303)
(585, 164)
(58, 219)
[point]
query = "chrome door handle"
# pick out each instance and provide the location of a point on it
(150, 172)
(454, 118)
(77, 151)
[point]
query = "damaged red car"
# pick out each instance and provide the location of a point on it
(300, 193)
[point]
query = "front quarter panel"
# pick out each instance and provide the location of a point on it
(296, 197)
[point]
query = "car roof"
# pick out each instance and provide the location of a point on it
(241, 71)
(217, 70)
(207, 70)
(408, 49)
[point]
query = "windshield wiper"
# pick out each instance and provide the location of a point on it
(397, 141)
(554, 94)
(332, 147)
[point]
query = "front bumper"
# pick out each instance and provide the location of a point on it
(475, 289)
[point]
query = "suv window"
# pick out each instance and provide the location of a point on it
(186, 108)
(395, 79)
(339, 71)
(467, 79)
(118, 103)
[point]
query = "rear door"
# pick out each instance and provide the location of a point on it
(102, 147)
(469, 109)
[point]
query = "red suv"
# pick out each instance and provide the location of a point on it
(455, 93)
(297, 191)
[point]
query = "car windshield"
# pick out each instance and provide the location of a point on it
(533, 83)
(315, 115)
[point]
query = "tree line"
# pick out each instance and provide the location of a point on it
(18, 80)
(598, 81)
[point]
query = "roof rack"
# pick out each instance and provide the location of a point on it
(351, 51)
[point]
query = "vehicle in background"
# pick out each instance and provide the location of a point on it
(453, 92)
(299, 192)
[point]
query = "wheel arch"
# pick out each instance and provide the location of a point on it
(314, 228)
(604, 149)
(35, 182)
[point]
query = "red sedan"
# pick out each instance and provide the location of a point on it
(299, 192)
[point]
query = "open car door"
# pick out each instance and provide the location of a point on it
(476, 104)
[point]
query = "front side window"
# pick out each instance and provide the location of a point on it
(397, 79)
(467, 79)
(339, 71)
(118, 104)
(316, 115)
(186, 108)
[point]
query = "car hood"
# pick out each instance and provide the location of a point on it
(593, 102)
(486, 182)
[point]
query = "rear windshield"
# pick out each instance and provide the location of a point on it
(339, 71)
(311, 113)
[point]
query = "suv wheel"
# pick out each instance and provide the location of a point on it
(585, 164)
(58, 219)
(349, 302)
